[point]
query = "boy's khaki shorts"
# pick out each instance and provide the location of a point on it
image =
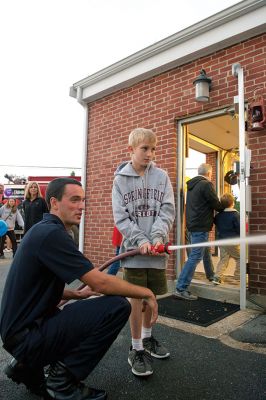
(151, 278)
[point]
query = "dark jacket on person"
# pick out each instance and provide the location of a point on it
(228, 223)
(201, 203)
(33, 211)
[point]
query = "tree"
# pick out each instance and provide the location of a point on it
(17, 180)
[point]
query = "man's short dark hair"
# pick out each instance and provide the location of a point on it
(56, 188)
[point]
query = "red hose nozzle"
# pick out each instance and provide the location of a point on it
(163, 248)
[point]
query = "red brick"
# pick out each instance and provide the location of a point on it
(156, 103)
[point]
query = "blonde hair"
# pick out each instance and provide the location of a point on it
(227, 200)
(140, 135)
(14, 207)
(27, 190)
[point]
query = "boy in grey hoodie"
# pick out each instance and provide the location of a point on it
(144, 212)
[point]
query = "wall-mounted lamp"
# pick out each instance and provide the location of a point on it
(203, 85)
(257, 114)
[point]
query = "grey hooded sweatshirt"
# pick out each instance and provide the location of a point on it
(144, 211)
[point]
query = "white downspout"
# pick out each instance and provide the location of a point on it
(238, 72)
(84, 163)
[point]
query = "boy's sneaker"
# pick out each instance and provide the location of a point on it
(185, 295)
(216, 280)
(152, 346)
(140, 362)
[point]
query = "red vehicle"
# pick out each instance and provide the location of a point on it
(18, 192)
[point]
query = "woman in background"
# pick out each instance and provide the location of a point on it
(34, 205)
(10, 214)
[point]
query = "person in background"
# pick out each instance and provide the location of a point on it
(207, 257)
(228, 226)
(10, 214)
(74, 233)
(201, 203)
(144, 212)
(1, 194)
(116, 240)
(8, 245)
(34, 205)
(117, 237)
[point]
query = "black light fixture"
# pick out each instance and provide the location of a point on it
(203, 85)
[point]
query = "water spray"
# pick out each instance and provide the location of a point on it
(253, 239)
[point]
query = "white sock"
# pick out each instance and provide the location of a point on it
(145, 332)
(137, 344)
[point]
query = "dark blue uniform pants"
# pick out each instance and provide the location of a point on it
(79, 335)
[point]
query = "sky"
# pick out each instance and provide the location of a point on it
(47, 45)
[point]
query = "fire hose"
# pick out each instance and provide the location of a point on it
(168, 248)
(161, 249)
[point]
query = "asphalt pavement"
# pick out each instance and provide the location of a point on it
(225, 361)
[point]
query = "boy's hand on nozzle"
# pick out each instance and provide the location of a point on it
(160, 248)
(145, 248)
(157, 248)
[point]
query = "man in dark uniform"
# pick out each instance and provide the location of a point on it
(35, 331)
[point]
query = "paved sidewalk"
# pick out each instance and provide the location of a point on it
(213, 363)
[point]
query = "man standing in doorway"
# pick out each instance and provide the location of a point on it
(201, 203)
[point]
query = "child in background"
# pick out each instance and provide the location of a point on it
(10, 214)
(116, 240)
(117, 237)
(228, 226)
(144, 212)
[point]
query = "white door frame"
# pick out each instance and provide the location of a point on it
(180, 191)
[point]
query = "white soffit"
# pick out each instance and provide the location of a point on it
(237, 23)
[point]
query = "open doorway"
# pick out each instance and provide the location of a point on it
(212, 138)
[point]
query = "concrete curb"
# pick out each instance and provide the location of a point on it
(221, 330)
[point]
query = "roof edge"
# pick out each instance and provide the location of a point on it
(194, 31)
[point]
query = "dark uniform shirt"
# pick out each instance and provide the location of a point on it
(46, 259)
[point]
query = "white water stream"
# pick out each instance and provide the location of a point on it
(252, 239)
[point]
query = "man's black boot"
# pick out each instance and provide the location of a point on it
(62, 385)
(33, 379)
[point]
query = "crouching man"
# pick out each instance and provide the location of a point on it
(35, 331)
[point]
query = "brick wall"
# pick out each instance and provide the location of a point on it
(257, 223)
(157, 103)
